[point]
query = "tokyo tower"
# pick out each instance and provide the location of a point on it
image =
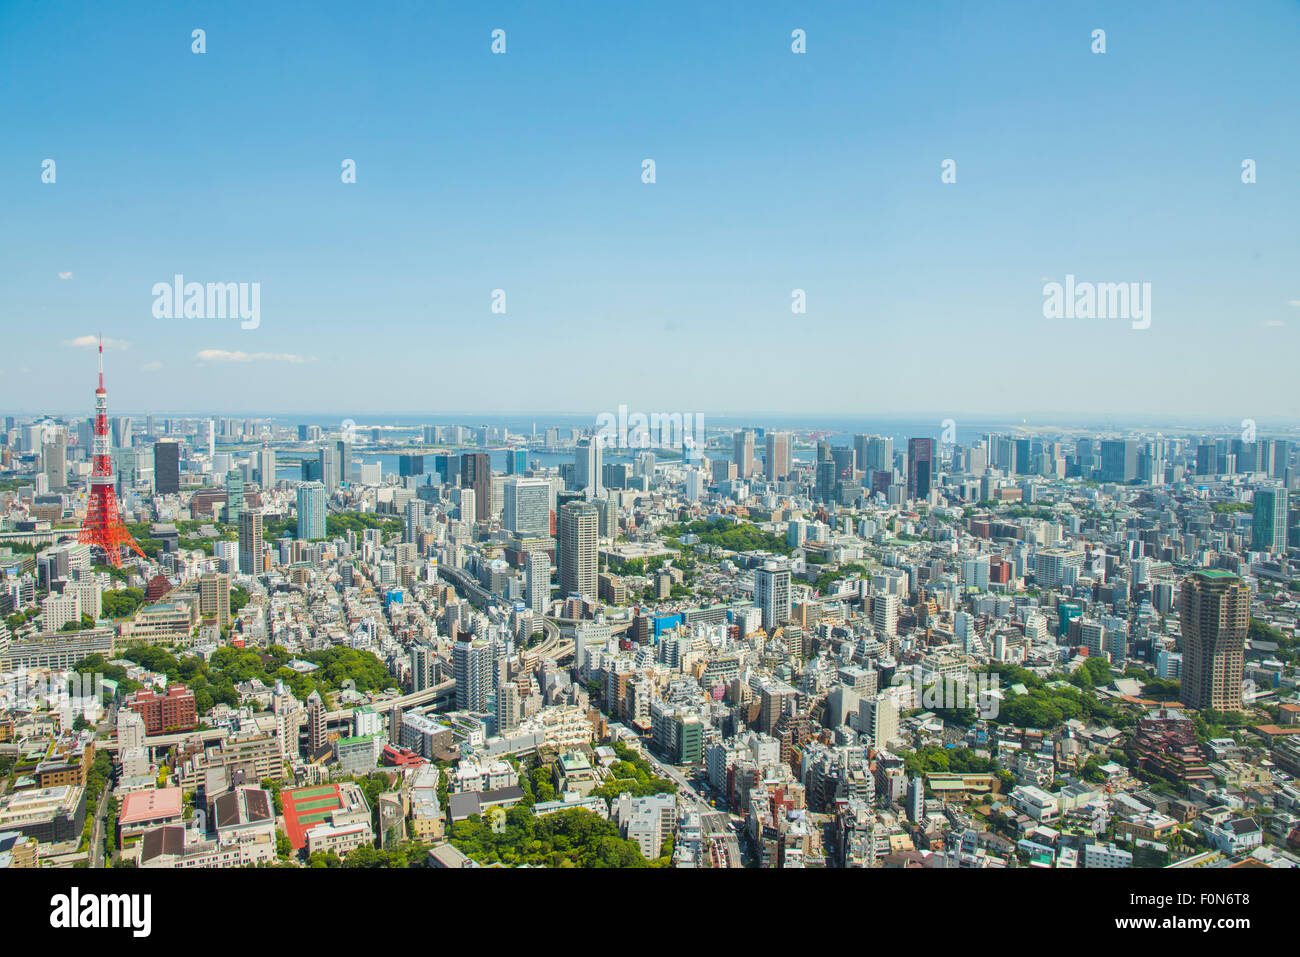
(103, 526)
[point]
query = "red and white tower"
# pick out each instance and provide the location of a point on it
(103, 524)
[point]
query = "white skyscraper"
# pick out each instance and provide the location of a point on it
(884, 614)
(772, 594)
(587, 467)
(537, 571)
(526, 507)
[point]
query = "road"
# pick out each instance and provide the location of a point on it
(97, 830)
(715, 821)
(551, 646)
(687, 792)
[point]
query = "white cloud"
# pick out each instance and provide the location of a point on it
(1293, 302)
(65, 275)
(151, 366)
(92, 342)
(223, 355)
(1274, 323)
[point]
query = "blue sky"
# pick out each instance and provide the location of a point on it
(775, 171)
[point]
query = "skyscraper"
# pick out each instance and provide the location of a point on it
(1268, 530)
(516, 461)
(920, 462)
(410, 465)
(526, 507)
(472, 669)
(1214, 611)
(577, 533)
(1118, 460)
(772, 594)
(824, 481)
(167, 467)
(476, 474)
(311, 511)
(250, 543)
(742, 453)
(880, 454)
(54, 456)
(317, 741)
(343, 451)
(414, 520)
(234, 495)
(444, 463)
(329, 467)
(587, 474)
(266, 466)
(777, 462)
(1281, 458)
(537, 571)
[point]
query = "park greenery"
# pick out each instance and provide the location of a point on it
(573, 838)
(336, 525)
(213, 681)
(737, 537)
(122, 602)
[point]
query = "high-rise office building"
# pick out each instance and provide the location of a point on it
(54, 457)
(1118, 460)
(1020, 456)
(167, 467)
(410, 465)
(476, 474)
(234, 495)
(777, 462)
(537, 580)
(266, 466)
(920, 463)
(742, 453)
(329, 467)
(1214, 611)
(880, 454)
(824, 481)
(588, 476)
(343, 451)
(311, 511)
(444, 463)
(772, 594)
(466, 505)
(526, 507)
(578, 530)
(1281, 458)
(250, 543)
(516, 461)
(1268, 530)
